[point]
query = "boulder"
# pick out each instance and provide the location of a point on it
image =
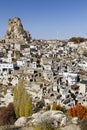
(63, 122)
(22, 121)
(55, 118)
(75, 120)
(71, 127)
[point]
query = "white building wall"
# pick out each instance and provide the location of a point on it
(6, 66)
(82, 88)
(33, 65)
(47, 67)
(20, 63)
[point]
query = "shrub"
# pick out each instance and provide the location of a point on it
(77, 39)
(56, 106)
(43, 126)
(79, 110)
(7, 115)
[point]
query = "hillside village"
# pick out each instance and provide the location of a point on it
(53, 70)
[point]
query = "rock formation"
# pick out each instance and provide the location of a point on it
(15, 32)
(22, 121)
(55, 118)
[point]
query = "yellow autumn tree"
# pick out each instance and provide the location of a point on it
(22, 101)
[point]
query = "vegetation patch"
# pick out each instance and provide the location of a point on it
(22, 101)
(79, 111)
(7, 115)
(43, 126)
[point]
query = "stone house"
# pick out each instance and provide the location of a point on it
(48, 75)
(17, 47)
(33, 65)
(64, 92)
(74, 88)
(1, 54)
(6, 68)
(47, 67)
(83, 86)
(70, 77)
(20, 63)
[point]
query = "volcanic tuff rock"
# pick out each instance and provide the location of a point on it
(22, 121)
(15, 32)
(55, 118)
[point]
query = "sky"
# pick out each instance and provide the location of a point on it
(46, 19)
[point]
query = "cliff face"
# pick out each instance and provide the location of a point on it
(16, 32)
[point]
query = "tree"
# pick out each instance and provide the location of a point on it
(79, 110)
(28, 107)
(7, 115)
(77, 39)
(22, 100)
(56, 106)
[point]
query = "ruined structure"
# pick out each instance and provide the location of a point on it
(16, 32)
